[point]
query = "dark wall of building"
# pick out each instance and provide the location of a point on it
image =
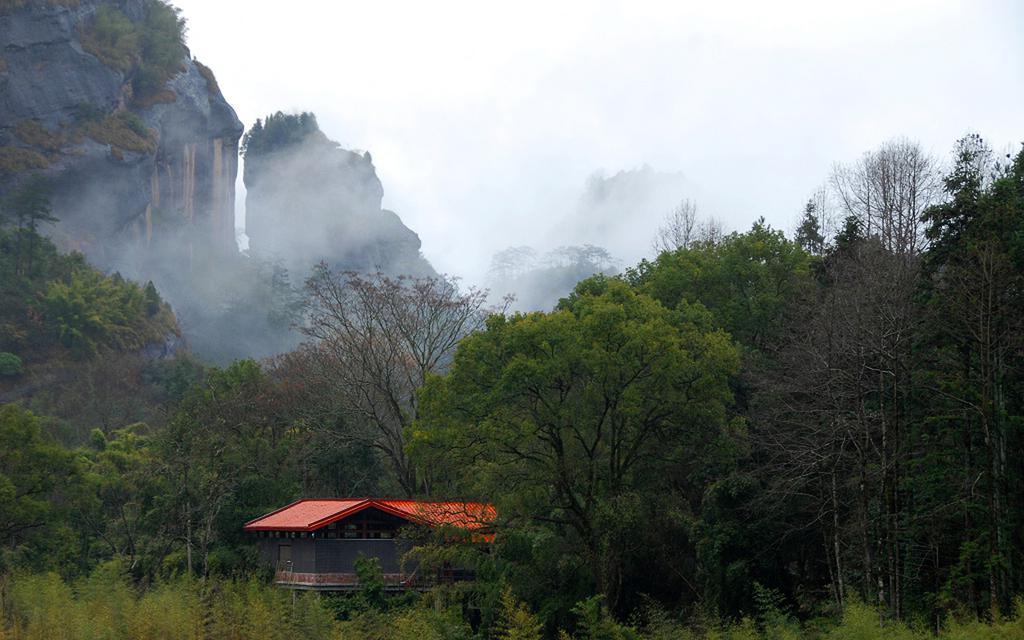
(301, 551)
(332, 556)
(339, 556)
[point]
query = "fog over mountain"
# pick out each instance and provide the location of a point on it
(485, 123)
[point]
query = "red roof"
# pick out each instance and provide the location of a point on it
(309, 515)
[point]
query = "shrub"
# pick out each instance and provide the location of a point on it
(861, 622)
(10, 364)
(211, 80)
(594, 622)
(516, 622)
(7, 6)
(91, 310)
(147, 83)
(151, 51)
(15, 159)
(1010, 629)
(159, 96)
(87, 112)
(112, 38)
(417, 622)
(124, 131)
(105, 605)
(33, 133)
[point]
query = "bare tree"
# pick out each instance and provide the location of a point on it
(376, 339)
(679, 229)
(682, 228)
(710, 231)
(836, 438)
(887, 190)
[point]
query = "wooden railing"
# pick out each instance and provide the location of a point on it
(286, 577)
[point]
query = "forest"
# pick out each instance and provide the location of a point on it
(748, 435)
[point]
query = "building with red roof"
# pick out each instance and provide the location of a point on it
(314, 543)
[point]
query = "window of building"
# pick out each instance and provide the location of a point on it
(370, 524)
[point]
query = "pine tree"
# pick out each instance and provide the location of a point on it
(808, 234)
(29, 207)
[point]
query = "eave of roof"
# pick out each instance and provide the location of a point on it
(476, 516)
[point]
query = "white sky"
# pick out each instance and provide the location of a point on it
(485, 119)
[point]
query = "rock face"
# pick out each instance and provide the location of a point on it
(141, 151)
(310, 200)
(129, 198)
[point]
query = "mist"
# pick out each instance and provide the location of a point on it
(485, 123)
(449, 139)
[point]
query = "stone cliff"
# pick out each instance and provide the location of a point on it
(140, 148)
(135, 175)
(309, 200)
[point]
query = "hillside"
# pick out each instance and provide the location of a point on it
(73, 340)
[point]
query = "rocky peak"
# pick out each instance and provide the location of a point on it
(137, 141)
(308, 200)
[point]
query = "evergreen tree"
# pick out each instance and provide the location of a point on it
(850, 235)
(28, 207)
(808, 234)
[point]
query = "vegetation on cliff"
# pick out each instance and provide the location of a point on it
(123, 131)
(211, 80)
(17, 160)
(70, 336)
(310, 200)
(7, 6)
(278, 131)
(149, 52)
(50, 300)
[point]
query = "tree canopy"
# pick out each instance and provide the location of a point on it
(570, 416)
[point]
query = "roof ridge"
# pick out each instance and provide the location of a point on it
(324, 511)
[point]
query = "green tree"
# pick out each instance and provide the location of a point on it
(224, 456)
(578, 416)
(90, 310)
(28, 207)
(850, 235)
(515, 621)
(745, 280)
(10, 364)
(280, 130)
(809, 234)
(975, 280)
(118, 496)
(149, 51)
(33, 471)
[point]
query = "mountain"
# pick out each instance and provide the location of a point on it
(620, 212)
(102, 101)
(309, 200)
(103, 98)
